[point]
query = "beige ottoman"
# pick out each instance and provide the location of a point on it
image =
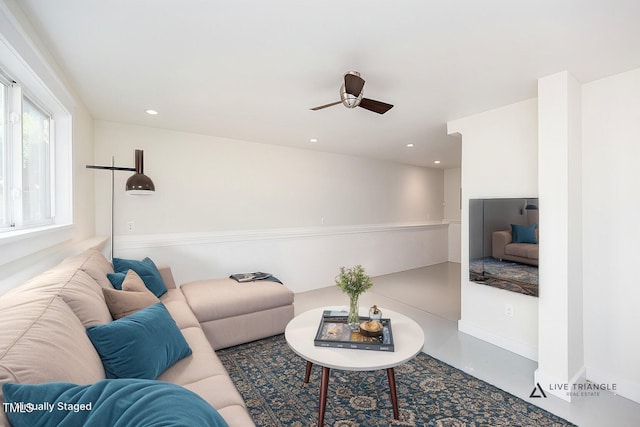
(232, 313)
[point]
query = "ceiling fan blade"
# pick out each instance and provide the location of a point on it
(353, 84)
(375, 106)
(325, 106)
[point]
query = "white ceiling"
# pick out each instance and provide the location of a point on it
(251, 69)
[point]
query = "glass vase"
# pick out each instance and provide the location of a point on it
(353, 318)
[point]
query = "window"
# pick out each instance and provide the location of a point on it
(25, 161)
(3, 194)
(36, 162)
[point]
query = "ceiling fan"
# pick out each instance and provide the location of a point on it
(351, 95)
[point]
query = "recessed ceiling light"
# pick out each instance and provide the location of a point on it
(313, 140)
(151, 112)
(410, 145)
(437, 162)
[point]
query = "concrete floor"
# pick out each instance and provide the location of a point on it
(431, 297)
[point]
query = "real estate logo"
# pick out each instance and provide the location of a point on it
(586, 389)
(536, 389)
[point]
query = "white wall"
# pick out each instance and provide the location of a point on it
(453, 211)
(17, 32)
(560, 306)
(455, 243)
(611, 158)
(303, 258)
(236, 202)
(499, 160)
(610, 125)
(207, 183)
(452, 200)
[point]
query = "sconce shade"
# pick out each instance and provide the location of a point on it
(139, 183)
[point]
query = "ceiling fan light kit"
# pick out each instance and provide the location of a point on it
(349, 100)
(352, 95)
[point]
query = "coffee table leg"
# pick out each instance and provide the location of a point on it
(307, 372)
(324, 385)
(394, 396)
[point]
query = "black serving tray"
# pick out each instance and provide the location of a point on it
(334, 331)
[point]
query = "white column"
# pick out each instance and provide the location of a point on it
(560, 335)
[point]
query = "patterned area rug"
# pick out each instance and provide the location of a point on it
(270, 377)
(512, 276)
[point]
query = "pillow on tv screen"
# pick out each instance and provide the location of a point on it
(523, 233)
(133, 297)
(147, 271)
(141, 345)
(131, 402)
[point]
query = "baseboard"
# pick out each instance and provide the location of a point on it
(500, 341)
(557, 387)
(600, 382)
(618, 386)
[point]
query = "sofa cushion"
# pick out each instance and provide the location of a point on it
(204, 373)
(109, 403)
(142, 345)
(524, 233)
(97, 266)
(146, 269)
(84, 296)
(223, 298)
(42, 340)
(179, 309)
(77, 289)
(220, 392)
(133, 297)
(202, 363)
(522, 250)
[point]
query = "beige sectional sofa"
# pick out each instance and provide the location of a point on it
(503, 248)
(43, 334)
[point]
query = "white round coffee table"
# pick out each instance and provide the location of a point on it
(408, 342)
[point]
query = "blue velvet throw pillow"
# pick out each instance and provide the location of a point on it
(107, 403)
(117, 279)
(141, 345)
(523, 233)
(147, 271)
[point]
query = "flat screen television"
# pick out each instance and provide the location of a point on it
(503, 243)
